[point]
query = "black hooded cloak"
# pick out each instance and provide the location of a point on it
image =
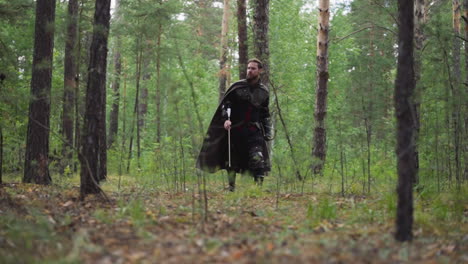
(214, 154)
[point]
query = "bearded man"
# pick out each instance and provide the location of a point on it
(244, 114)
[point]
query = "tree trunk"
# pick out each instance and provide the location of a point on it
(261, 44)
(456, 102)
(404, 87)
(465, 136)
(369, 108)
(36, 167)
(158, 86)
(102, 175)
(139, 56)
(242, 36)
(90, 158)
(70, 81)
(320, 140)
(1, 154)
(223, 69)
(114, 114)
(146, 78)
(419, 38)
(124, 124)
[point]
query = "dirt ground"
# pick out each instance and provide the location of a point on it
(49, 224)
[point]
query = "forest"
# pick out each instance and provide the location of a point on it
(105, 105)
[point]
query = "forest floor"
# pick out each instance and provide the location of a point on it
(49, 224)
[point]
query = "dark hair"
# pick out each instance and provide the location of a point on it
(259, 63)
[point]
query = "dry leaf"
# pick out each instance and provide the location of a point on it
(68, 203)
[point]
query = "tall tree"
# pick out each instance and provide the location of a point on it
(36, 168)
(404, 87)
(2, 77)
(320, 139)
(158, 84)
(456, 102)
(242, 36)
(261, 42)
(114, 114)
(138, 63)
(223, 68)
(465, 136)
(91, 152)
(419, 38)
(70, 81)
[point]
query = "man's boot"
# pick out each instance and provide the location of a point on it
(259, 179)
(232, 180)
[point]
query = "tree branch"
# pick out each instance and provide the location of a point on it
(288, 138)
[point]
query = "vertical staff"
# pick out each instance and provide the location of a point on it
(228, 111)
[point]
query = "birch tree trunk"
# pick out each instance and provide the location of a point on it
(320, 140)
(404, 87)
(242, 36)
(36, 168)
(223, 68)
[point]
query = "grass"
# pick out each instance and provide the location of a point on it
(148, 222)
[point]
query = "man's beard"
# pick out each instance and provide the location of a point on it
(251, 78)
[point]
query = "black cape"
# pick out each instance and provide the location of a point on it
(214, 154)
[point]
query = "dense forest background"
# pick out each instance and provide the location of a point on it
(169, 52)
(163, 84)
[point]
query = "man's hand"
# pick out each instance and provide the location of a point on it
(227, 124)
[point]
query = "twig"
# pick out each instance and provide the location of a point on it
(298, 174)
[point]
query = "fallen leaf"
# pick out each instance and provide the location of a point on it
(448, 249)
(238, 254)
(270, 246)
(68, 203)
(135, 256)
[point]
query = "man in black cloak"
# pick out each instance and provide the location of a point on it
(249, 125)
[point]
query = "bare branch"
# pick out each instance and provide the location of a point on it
(386, 10)
(349, 35)
(465, 19)
(362, 29)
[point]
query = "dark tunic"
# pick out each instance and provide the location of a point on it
(249, 106)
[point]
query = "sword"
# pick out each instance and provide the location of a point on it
(228, 111)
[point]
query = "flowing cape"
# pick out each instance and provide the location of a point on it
(214, 151)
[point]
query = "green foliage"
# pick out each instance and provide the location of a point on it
(324, 210)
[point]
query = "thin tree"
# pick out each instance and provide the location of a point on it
(242, 36)
(465, 136)
(320, 139)
(261, 41)
(223, 69)
(70, 82)
(36, 168)
(114, 114)
(456, 102)
(404, 87)
(158, 85)
(102, 172)
(419, 38)
(1, 154)
(2, 77)
(95, 92)
(139, 55)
